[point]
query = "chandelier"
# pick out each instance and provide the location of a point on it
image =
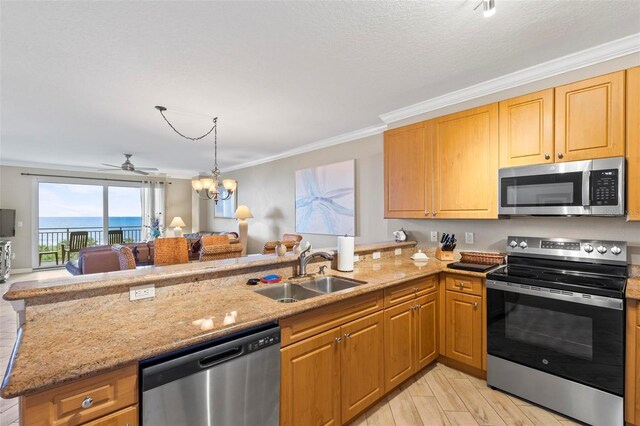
(212, 188)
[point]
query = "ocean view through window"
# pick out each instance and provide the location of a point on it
(104, 212)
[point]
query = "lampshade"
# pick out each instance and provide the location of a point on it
(206, 182)
(177, 222)
(229, 184)
(243, 212)
(196, 184)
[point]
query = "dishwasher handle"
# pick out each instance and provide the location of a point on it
(219, 358)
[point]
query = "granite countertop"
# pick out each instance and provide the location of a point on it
(633, 283)
(50, 352)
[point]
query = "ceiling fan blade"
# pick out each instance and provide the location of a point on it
(140, 172)
(111, 165)
(107, 170)
(146, 168)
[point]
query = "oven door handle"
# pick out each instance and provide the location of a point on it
(561, 295)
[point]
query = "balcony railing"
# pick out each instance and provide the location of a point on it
(51, 239)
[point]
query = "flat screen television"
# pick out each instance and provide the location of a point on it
(7, 223)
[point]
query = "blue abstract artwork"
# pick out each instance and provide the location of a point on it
(325, 199)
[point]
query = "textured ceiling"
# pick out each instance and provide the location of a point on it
(79, 79)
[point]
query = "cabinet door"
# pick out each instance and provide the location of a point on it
(465, 164)
(526, 129)
(426, 320)
(362, 364)
(406, 172)
(464, 328)
(309, 392)
(398, 341)
(633, 143)
(126, 417)
(590, 118)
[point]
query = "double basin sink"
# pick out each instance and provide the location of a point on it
(289, 292)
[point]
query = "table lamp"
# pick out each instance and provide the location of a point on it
(242, 214)
(177, 223)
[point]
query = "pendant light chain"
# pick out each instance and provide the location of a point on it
(163, 109)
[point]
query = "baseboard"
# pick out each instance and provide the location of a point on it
(457, 365)
(21, 271)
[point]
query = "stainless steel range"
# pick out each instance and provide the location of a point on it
(556, 326)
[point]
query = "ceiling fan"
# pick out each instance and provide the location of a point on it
(127, 166)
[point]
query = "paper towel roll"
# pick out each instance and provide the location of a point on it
(345, 253)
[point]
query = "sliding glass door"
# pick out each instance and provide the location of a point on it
(67, 211)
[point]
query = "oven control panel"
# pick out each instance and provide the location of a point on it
(613, 252)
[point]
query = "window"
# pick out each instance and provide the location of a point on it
(108, 214)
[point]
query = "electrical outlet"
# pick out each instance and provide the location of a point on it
(356, 258)
(468, 237)
(19, 224)
(434, 236)
(376, 255)
(142, 292)
(398, 251)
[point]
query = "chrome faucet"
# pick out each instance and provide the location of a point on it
(305, 259)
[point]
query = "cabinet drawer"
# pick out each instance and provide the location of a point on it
(402, 292)
(126, 417)
(464, 284)
(307, 324)
(83, 400)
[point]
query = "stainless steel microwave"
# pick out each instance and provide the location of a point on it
(590, 188)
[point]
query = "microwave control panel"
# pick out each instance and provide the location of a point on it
(604, 187)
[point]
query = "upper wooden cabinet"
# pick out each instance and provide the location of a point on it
(465, 163)
(633, 143)
(406, 172)
(590, 118)
(526, 129)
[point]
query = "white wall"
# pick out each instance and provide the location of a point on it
(268, 190)
(18, 192)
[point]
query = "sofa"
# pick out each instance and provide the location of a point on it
(92, 260)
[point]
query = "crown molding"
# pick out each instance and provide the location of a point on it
(584, 58)
(324, 143)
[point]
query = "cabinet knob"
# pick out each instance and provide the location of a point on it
(338, 339)
(347, 335)
(87, 402)
(547, 156)
(560, 155)
(475, 305)
(460, 284)
(415, 289)
(433, 213)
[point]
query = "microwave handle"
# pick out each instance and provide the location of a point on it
(586, 188)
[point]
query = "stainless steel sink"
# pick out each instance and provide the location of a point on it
(331, 284)
(288, 293)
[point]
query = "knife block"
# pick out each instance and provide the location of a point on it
(444, 255)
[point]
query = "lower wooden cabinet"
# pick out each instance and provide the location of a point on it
(126, 417)
(464, 328)
(329, 378)
(94, 399)
(361, 364)
(411, 336)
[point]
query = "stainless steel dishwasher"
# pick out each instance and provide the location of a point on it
(230, 382)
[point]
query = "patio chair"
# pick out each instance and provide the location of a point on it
(216, 247)
(170, 251)
(77, 241)
(115, 236)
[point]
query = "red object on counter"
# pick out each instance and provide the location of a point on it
(271, 279)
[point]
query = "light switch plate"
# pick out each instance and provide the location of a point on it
(142, 292)
(19, 224)
(376, 255)
(468, 237)
(434, 236)
(356, 258)
(398, 251)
